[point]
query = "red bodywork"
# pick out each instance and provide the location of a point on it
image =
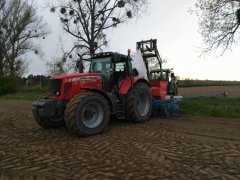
(126, 84)
(159, 89)
(73, 84)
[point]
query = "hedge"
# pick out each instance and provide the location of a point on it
(8, 84)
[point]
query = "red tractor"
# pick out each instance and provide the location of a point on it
(84, 102)
(165, 75)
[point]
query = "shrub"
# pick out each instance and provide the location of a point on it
(8, 84)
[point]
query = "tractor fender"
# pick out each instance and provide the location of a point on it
(108, 96)
(126, 84)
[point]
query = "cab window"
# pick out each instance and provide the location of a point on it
(164, 76)
(101, 65)
(155, 75)
(120, 67)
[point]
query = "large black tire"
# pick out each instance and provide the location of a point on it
(87, 114)
(139, 103)
(49, 123)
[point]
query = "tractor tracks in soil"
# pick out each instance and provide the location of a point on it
(175, 148)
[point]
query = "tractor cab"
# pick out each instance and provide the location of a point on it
(165, 75)
(114, 68)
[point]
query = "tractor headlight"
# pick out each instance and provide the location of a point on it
(55, 87)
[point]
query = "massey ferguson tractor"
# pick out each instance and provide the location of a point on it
(84, 102)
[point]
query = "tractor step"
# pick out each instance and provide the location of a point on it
(120, 115)
(120, 109)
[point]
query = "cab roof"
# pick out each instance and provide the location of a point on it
(109, 54)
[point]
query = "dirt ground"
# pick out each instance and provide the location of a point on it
(233, 91)
(184, 147)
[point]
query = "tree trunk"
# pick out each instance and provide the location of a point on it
(81, 67)
(1, 65)
(1, 62)
(91, 48)
(12, 69)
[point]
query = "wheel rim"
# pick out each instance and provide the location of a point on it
(92, 115)
(143, 104)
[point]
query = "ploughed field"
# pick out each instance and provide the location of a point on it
(233, 91)
(183, 147)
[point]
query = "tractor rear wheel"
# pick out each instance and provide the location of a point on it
(87, 114)
(139, 103)
(49, 123)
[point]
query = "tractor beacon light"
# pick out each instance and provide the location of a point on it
(129, 51)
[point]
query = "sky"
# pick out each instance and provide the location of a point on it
(175, 29)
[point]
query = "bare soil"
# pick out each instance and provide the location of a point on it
(176, 148)
(233, 91)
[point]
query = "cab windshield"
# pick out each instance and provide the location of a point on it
(101, 65)
(159, 75)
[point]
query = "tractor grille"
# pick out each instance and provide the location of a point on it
(55, 87)
(67, 87)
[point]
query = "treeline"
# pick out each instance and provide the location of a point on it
(11, 84)
(32, 80)
(199, 83)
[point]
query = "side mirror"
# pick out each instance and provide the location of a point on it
(172, 75)
(135, 72)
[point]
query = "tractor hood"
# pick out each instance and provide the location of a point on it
(66, 86)
(76, 75)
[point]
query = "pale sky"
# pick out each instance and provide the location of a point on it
(167, 21)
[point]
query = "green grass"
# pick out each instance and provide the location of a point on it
(215, 107)
(26, 93)
(33, 88)
(22, 96)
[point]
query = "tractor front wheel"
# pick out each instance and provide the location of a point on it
(87, 114)
(50, 123)
(47, 122)
(139, 103)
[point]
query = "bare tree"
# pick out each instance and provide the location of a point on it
(19, 26)
(59, 64)
(56, 67)
(219, 23)
(62, 62)
(89, 20)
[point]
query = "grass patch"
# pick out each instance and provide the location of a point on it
(34, 88)
(26, 93)
(23, 96)
(214, 106)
